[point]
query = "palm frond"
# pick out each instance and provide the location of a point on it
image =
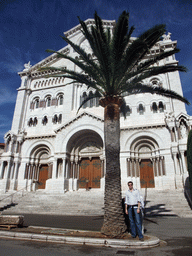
(154, 71)
(121, 64)
(148, 39)
(120, 40)
(84, 56)
(92, 70)
(139, 76)
(76, 77)
(144, 88)
(153, 60)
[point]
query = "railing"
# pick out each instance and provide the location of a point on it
(12, 195)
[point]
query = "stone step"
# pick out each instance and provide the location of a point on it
(91, 203)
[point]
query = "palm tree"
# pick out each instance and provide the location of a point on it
(120, 67)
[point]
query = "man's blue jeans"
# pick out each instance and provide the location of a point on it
(135, 222)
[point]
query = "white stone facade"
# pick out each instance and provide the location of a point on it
(50, 146)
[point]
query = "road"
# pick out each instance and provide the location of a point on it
(175, 233)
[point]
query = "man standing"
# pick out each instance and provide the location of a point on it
(132, 208)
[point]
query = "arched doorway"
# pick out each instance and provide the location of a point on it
(146, 174)
(43, 176)
(39, 168)
(85, 153)
(145, 161)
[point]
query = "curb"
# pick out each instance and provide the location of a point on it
(151, 242)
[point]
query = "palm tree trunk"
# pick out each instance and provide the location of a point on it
(114, 223)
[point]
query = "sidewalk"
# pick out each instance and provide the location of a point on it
(72, 229)
(81, 237)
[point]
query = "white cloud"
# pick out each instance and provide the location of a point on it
(13, 61)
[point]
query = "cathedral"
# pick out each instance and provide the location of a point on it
(53, 147)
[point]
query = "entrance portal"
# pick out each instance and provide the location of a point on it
(43, 176)
(90, 173)
(146, 174)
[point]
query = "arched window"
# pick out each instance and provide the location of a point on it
(60, 99)
(60, 118)
(48, 101)
(30, 122)
(128, 110)
(97, 101)
(94, 102)
(161, 106)
(141, 109)
(37, 103)
(45, 120)
(84, 97)
(35, 121)
(154, 107)
(55, 119)
(91, 100)
(156, 82)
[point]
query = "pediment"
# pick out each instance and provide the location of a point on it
(49, 61)
(182, 115)
(75, 35)
(77, 118)
(77, 29)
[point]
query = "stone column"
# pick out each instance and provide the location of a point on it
(2, 169)
(78, 95)
(21, 177)
(154, 166)
(161, 169)
(50, 167)
(64, 167)
(76, 167)
(128, 167)
(178, 180)
(54, 173)
(163, 165)
(8, 174)
(184, 163)
(16, 174)
(71, 174)
(157, 166)
(132, 168)
(137, 167)
(75, 173)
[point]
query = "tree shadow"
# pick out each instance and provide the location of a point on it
(158, 210)
(187, 192)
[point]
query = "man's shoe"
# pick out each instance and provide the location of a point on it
(133, 236)
(141, 239)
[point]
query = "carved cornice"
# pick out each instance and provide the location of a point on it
(88, 22)
(40, 137)
(34, 72)
(143, 127)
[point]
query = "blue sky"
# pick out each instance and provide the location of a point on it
(30, 27)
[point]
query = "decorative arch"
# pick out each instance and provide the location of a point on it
(143, 134)
(156, 81)
(39, 167)
(183, 125)
(145, 160)
(85, 158)
(76, 129)
(29, 151)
